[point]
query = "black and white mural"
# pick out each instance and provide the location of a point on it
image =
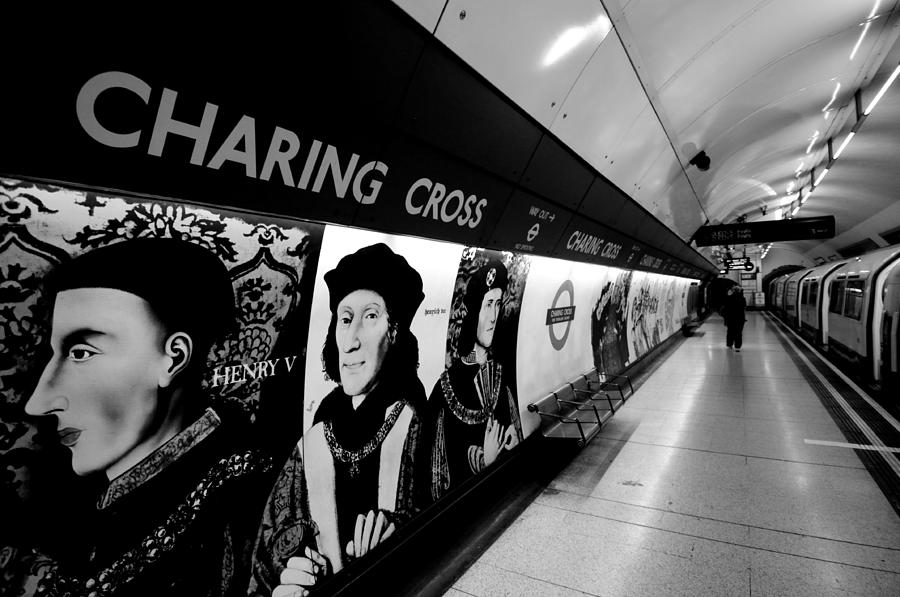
(162, 362)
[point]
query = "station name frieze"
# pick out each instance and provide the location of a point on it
(318, 166)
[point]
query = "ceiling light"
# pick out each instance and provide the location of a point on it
(843, 145)
(572, 37)
(859, 41)
(795, 210)
(820, 177)
(882, 90)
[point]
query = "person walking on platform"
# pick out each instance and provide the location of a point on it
(734, 315)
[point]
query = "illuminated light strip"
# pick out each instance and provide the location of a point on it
(795, 210)
(861, 36)
(823, 442)
(843, 145)
(892, 462)
(882, 91)
(820, 177)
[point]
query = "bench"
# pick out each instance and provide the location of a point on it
(575, 411)
(599, 381)
(689, 325)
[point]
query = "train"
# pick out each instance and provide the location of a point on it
(848, 308)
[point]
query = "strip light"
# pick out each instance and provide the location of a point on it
(795, 210)
(843, 145)
(820, 177)
(882, 91)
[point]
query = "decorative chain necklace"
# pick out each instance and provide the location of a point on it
(487, 386)
(354, 457)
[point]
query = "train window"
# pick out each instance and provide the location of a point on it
(804, 293)
(814, 292)
(853, 301)
(837, 297)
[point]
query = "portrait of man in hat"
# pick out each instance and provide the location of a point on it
(132, 323)
(353, 483)
(473, 416)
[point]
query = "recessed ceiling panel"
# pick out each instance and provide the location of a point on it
(636, 152)
(532, 50)
(605, 101)
(651, 189)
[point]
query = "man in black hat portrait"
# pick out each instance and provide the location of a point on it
(354, 484)
(472, 414)
(132, 324)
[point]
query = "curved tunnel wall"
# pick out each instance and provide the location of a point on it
(553, 320)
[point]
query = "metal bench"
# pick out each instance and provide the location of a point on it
(604, 382)
(565, 416)
(689, 325)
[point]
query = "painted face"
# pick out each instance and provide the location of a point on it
(361, 334)
(487, 317)
(102, 380)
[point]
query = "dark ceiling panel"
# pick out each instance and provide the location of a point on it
(603, 202)
(452, 107)
(629, 218)
(555, 173)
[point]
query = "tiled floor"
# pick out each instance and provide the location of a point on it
(702, 485)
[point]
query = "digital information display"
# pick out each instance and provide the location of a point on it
(763, 232)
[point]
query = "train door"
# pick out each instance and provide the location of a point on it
(885, 325)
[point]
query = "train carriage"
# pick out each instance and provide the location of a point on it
(856, 310)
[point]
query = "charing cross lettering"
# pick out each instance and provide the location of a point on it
(319, 163)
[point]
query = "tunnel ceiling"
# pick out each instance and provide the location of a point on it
(638, 87)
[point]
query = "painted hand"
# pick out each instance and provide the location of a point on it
(493, 441)
(301, 573)
(370, 531)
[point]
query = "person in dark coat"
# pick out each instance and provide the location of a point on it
(472, 415)
(132, 325)
(351, 481)
(734, 314)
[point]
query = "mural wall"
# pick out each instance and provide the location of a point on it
(162, 362)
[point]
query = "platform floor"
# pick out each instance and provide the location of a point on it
(710, 481)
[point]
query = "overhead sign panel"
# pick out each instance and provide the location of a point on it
(763, 232)
(742, 263)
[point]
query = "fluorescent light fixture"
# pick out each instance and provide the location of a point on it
(572, 37)
(843, 145)
(795, 210)
(874, 8)
(803, 197)
(820, 177)
(883, 89)
(861, 36)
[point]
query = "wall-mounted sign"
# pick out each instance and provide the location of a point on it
(530, 224)
(741, 263)
(748, 276)
(763, 232)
